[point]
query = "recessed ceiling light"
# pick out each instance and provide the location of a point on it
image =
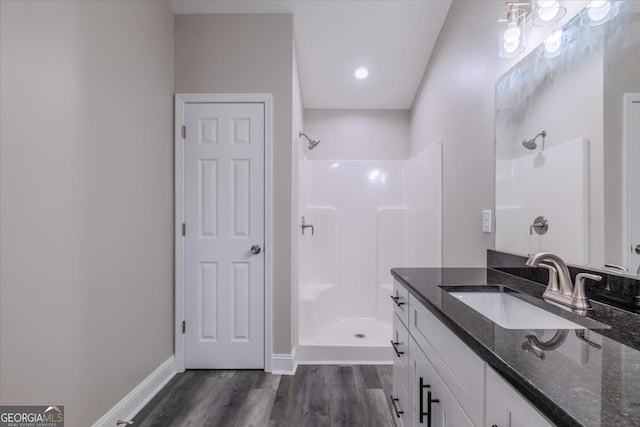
(361, 73)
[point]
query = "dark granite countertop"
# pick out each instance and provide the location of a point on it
(587, 377)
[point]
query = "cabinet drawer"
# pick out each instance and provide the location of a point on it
(401, 405)
(401, 352)
(460, 369)
(432, 393)
(401, 302)
(506, 407)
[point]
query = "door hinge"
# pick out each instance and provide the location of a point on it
(184, 326)
(184, 132)
(184, 229)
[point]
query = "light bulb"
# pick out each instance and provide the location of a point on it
(361, 73)
(510, 47)
(545, 3)
(549, 12)
(553, 42)
(598, 13)
(597, 3)
(512, 33)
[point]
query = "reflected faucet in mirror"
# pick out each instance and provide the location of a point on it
(560, 290)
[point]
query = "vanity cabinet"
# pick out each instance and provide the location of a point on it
(506, 408)
(434, 404)
(438, 381)
(401, 398)
(460, 368)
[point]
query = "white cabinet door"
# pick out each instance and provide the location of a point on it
(400, 298)
(402, 399)
(400, 356)
(506, 408)
(402, 403)
(460, 368)
(434, 405)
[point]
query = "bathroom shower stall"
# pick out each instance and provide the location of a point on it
(368, 216)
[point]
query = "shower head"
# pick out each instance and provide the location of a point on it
(530, 144)
(312, 142)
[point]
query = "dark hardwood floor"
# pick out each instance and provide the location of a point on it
(323, 395)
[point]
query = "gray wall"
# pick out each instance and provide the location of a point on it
(249, 54)
(297, 148)
(86, 195)
(359, 134)
(455, 103)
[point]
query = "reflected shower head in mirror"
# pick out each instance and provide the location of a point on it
(531, 143)
(312, 142)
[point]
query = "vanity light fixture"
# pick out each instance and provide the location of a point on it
(361, 73)
(512, 23)
(598, 12)
(511, 29)
(547, 12)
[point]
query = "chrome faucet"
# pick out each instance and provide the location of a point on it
(561, 274)
(560, 289)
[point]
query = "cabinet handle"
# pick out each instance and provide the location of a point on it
(394, 344)
(397, 300)
(429, 402)
(395, 408)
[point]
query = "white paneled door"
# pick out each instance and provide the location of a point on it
(224, 235)
(632, 120)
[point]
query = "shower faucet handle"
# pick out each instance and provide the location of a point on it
(540, 224)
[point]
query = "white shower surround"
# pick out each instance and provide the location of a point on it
(525, 188)
(368, 216)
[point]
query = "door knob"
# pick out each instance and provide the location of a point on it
(255, 249)
(637, 249)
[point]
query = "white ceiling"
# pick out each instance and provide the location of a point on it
(393, 38)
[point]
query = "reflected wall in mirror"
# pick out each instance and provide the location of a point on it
(568, 145)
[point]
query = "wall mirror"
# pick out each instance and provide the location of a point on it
(568, 144)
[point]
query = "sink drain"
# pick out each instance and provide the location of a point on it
(360, 335)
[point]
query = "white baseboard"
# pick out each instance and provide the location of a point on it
(284, 364)
(133, 402)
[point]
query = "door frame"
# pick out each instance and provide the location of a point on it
(628, 100)
(181, 100)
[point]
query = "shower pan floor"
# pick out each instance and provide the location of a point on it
(343, 331)
(354, 341)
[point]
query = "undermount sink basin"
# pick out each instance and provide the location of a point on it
(511, 312)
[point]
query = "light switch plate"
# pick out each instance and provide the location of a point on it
(486, 221)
